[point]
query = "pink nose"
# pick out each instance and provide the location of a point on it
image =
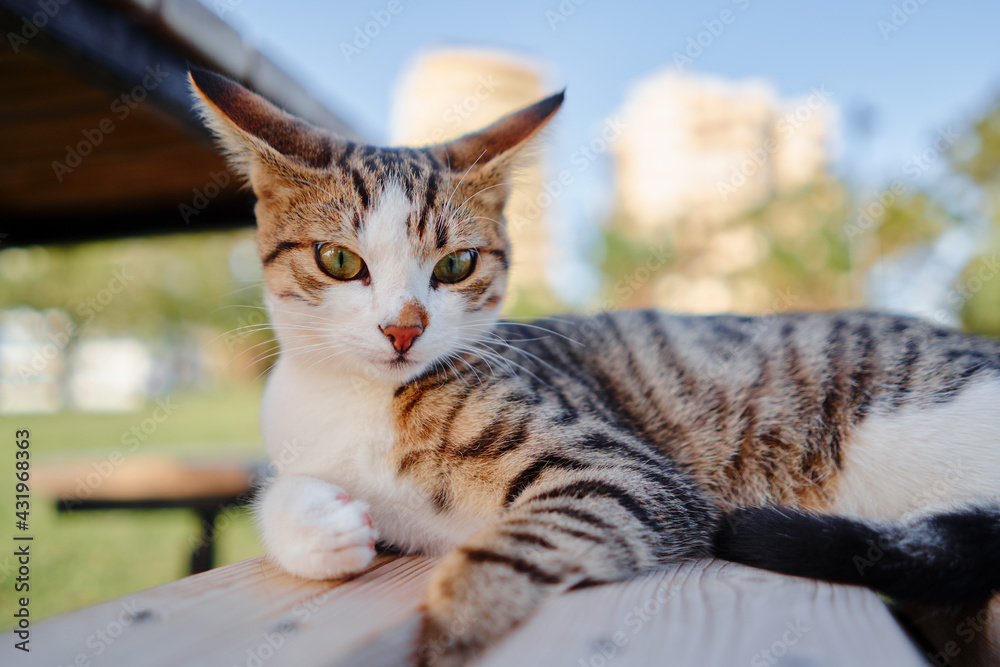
(401, 337)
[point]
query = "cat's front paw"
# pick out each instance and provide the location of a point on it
(314, 530)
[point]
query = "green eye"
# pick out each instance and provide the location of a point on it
(455, 267)
(339, 262)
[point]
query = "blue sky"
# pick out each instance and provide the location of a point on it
(942, 65)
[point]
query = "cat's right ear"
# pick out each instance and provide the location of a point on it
(263, 143)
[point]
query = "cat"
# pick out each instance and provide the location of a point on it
(537, 457)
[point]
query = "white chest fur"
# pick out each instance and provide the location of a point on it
(342, 432)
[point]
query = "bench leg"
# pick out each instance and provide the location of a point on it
(203, 552)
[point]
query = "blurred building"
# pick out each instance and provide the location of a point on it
(110, 374)
(713, 148)
(33, 359)
(697, 155)
(45, 366)
(446, 93)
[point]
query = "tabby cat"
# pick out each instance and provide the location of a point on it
(536, 457)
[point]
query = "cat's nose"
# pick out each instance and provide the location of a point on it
(401, 337)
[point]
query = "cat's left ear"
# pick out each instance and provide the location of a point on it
(262, 141)
(489, 154)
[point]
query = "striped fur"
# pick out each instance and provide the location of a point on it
(536, 457)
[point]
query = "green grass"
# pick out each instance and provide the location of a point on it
(81, 558)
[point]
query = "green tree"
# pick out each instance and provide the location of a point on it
(977, 294)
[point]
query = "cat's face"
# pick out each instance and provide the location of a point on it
(385, 263)
(380, 262)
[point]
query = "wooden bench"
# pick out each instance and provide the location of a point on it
(156, 483)
(698, 614)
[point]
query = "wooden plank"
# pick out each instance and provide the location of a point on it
(47, 137)
(227, 615)
(101, 184)
(961, 636)
(700, 614)
(31, 88)
(713, 613)
(146, 477)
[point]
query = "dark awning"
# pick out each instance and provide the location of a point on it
(97, 134)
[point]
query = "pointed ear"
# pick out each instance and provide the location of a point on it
(486, 158)
(260, 139)
(499, 140)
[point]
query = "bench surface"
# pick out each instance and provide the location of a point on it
(145, 478)
(698, 614)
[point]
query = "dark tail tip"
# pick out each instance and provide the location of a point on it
(942, 559)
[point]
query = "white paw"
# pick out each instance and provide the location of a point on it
(314, 530)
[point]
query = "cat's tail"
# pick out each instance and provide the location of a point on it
(947, 558)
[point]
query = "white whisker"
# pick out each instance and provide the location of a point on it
(447, 204)
(300, 180)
